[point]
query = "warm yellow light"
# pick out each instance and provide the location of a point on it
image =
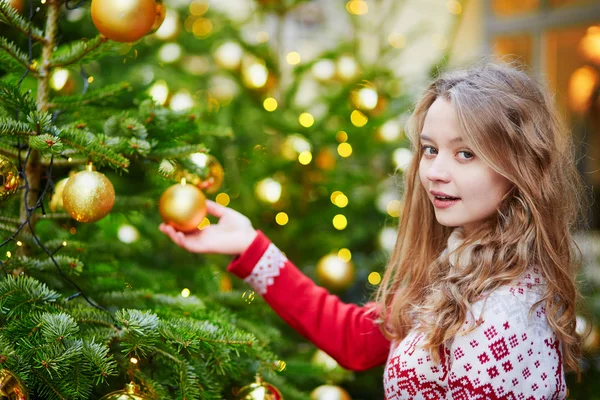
(90, 79)
(198, 7)
(181, 101)
(170, 52)
(581, 87)
(344, 149)
(358, 119)
(341, 137)
(8, 254)
(341, 200)
(334, 195)
(357, 7)
(255, 75)
(262, 37)
(204, 224)
(305, 157)
(454, 7)
(281, 365)
(19, 243)
(394, 208)
(229, 55)
(293, 58)
(270, 104)
(374, 278)
(64, 244)
(366, 98)
(340, 222)
(268, 190)
(59, 78)
(590, 44)
(345, 254)
(397, 40)
(223, 199)
(202, 27)
(282, 218)
(170, 26)
(185, 292)
(306, 120)
(133, 360)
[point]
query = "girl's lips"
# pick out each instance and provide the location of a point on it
(444, 203)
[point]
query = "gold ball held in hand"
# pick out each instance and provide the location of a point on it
(329, 392)
(88, 196)
(183, 206)
(201, 170)
(9, 178)
(124, 20)
(259, 390)
(334, 273)
(131, 392)
(11, 386)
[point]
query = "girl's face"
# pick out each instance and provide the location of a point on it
(463, 189)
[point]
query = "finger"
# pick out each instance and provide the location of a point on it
(215, 208)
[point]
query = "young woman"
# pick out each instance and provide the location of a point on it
(478, 299)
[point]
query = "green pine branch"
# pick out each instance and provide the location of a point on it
(9, 15)
(12, 59)
(86, 142)
(9, 126)
(67, 264)
(13, 98)
(102, 96)
(23, 291)
(81, 52)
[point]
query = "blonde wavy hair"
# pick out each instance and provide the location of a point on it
(509, 121)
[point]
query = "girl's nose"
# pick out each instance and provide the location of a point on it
(438, 170)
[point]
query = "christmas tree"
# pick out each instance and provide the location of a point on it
(308, 148)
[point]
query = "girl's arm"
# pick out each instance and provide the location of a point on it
(346, 332)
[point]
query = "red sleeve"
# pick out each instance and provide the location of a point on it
(346, 332)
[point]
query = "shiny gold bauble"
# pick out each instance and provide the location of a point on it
(131, 392)
(329, 392)
(183, 206)
(9, 178)
(11, 387)
(334, 273)
(17, 4)
(161, 13)
(259, 390)
(592, 341)
(201, 170)
(88, 196)
(56, 202)
(124, 20)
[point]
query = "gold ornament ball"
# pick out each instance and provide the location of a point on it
(334, 273)
(329, 392)
(11, 387)
(131, 392)
(161, 13)
(324, 360)
(56, 202)
(259, 390)
(592, 341)
(201, 170)
(88, 196)
(9, 178)
(183, 206)
(124, 20)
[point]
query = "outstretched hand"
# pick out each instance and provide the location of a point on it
(231, 235)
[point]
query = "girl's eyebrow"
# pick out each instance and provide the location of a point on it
(455, 140)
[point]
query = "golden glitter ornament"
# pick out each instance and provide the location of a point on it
(88, 196)
(183, 206)
(201, 170)
(131, 392)
(124, 20)
(56, 202)
(11, 387)
(161, 13)
(9, 178)
(334, 273)
(259, 390)
(329, 392)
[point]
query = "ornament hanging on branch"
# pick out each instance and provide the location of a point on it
(11, 386)
(88, 196)
(329, 392)
(183, 206)
(124, 20)
(56, 201)
(201, 170)
(9, 178)
(131, 392)
(259, 390)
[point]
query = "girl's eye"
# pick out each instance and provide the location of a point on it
(428, 150)
(467, 155)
